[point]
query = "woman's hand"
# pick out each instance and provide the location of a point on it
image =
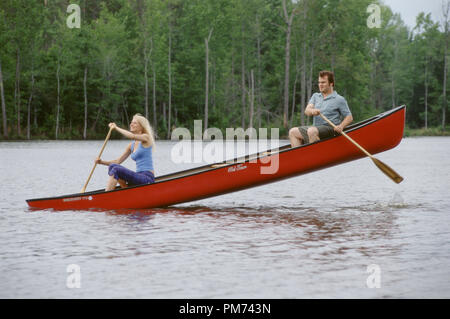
(112, 125)
(98, 161)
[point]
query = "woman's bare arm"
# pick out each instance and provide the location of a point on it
(119, 160)
(138, 137)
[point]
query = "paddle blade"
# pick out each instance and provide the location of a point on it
(387, 170)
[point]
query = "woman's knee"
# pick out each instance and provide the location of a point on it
(112, 169)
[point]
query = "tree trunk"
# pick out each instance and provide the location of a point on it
(444, 93)
(303, 82)
(232, 79)
(207, 77)
(57, 101)
(309, 82)
(333, 52)
(141, 9)
(85, 102)
(94, 125)
(35, 125)
(147, 55)
(288, 19)
(154, 95)
(393, 91)
(30, 101)
(125, 106)
(213, 82)
(259, 89)
(304, 68)
(251, 98)
(393, 73)
(446, 12)
(294, 92)
(164, 113)
(286, 76)
(426, 94)
(17, 91)
(243, 79)
(146, 80)
(170, 83)
(2, 96)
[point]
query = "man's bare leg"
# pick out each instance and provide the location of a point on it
(295, 137)
(313, 134)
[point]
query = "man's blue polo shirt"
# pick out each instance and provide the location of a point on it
(334, 107)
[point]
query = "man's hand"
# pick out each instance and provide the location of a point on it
(339, 128)
(315, 112)
(347, 120)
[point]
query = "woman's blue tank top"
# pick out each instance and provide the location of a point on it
(143, 157)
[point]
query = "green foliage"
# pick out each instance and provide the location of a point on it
(375, 69)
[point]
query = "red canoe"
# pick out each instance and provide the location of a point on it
(377, 134)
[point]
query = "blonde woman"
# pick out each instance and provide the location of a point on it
(140, 150)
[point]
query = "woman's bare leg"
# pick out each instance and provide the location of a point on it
(122, 183)
(112, 182)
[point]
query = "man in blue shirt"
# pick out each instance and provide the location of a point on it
(331, 105)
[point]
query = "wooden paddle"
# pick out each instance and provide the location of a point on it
(95, 165)
(383, 167)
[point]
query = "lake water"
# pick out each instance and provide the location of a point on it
(343, 232)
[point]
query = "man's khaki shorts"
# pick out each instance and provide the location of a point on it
(325, 131)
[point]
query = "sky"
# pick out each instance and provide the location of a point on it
(409, 9)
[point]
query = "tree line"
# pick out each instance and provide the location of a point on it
(230, 63)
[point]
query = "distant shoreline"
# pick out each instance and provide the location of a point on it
(431, 132)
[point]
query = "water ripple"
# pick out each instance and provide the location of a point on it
(311, 236)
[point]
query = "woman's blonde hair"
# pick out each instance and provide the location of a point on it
(146, 126)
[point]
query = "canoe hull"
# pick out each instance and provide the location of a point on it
(381, 134)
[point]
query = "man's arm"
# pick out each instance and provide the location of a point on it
(347, 120)
(310, 110)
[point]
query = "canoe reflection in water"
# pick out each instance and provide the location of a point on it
(311, 232)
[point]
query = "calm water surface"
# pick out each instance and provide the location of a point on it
(313, 236)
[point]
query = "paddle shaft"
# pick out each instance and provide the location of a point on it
(348, 137)
(95, 165)
(382, 166)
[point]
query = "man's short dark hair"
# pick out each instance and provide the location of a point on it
(329, 75)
